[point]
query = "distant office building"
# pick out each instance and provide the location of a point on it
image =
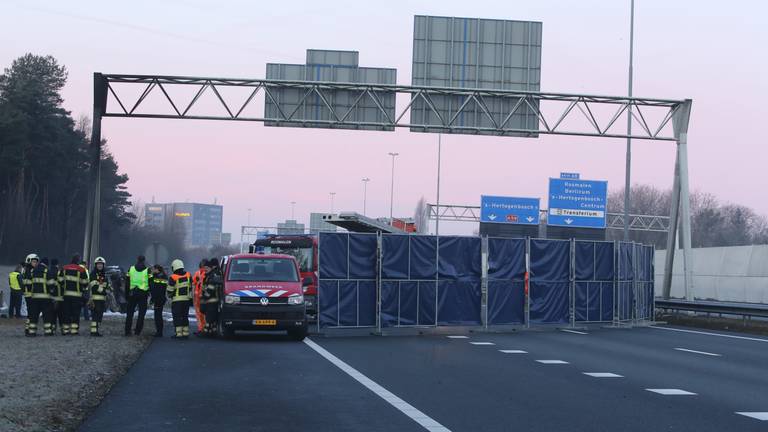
(226, 239)
(290, 227)
(317, 224)
(200, 223)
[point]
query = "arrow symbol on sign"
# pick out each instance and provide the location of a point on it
(529, 218)
(492, 216)
(569, 221)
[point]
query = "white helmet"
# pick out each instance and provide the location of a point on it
(100, 260)
(32, 256)
(177, 264)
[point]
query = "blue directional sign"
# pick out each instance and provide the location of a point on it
(509, 210)
(577, 203)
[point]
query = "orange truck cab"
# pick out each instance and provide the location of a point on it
(263, 292)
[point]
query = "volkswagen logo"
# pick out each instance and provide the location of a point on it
(264, 301)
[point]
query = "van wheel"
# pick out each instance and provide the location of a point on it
(298, 334)
(225, 332)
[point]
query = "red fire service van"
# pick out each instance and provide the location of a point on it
(263, 292)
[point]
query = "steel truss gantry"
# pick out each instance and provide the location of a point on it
(459, 213)
(557, 114)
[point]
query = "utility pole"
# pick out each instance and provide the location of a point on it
(293, 207)
(333, 194)
(628, 169)
(365, 192)
(392, 191)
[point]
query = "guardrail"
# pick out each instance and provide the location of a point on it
(746, 310)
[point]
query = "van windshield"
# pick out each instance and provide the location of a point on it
(262, 269)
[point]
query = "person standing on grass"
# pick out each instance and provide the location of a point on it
(158, 284)
(98, 288)
(74, 279)
(57, 295)
(16, 283)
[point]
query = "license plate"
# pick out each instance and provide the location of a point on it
(264, 322)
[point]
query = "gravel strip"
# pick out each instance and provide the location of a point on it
(53, 383)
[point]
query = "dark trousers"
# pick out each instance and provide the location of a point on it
(158, 309)
(98, 313)
(59, 315)
(137, 299)
(37, 307)
(211, 311)
(15, 305)
(180, 311)
(72, 306)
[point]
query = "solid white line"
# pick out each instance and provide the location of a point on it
(710, 334)
(552, 362)
(419, 417)
(698, 352)
(513, 351)
(482, 343)
(672, 392)
(458, 337)
(602, 375)
(573, 331)
(755, 415)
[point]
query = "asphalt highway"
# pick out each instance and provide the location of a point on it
(641, 379)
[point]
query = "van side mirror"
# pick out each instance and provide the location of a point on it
(306, 282)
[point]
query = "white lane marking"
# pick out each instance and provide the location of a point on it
(414, 414)
(573, 331)
(671, 392)
(482, 343)
(458, 337)
(552, 362)
(603, 375)
(755, 415)
(698, 352)
(710, 334)
(513, 351)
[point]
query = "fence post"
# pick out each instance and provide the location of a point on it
(484, 294)
(616, 287)
(572, 277)
(437, 277)
(319, 269)
(379, 260)
(527, 282)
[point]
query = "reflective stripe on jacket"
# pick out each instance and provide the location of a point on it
(99, 286)
(74, 279)
(179, 287)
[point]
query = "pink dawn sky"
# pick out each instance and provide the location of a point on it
(711, 52)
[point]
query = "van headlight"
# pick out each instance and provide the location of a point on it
(232, 299)
(296, 300)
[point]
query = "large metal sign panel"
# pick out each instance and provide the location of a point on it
(475, 53)
(577, 203)
(509, 210)
(329, 66)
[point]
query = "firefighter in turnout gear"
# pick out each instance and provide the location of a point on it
(179, 290)
(26, 282)
(212, 287)
(57, 295)
(197, 283)
(158, 284)
(40, 297)
(99, 288)
(74, 279)
(15, 283)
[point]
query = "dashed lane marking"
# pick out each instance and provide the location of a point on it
(513, 351)
(603, 375)
(574, 331)
(698, 352)
(414, 414)
(457, 337)
(552, 362)
(671, 392)
(755, 415)
(710, 334)
(482, 343)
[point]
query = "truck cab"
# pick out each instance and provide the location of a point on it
(263, 292)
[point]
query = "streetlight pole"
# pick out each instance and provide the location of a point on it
(392, 191)
(333, 194)
(293, 207)
(365, 192)
(627, 181)
(437, 206)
